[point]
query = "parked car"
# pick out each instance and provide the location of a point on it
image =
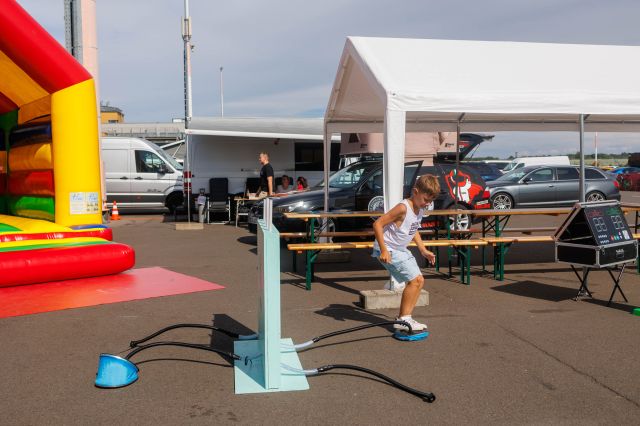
(629, 181)
(488, 171)
(550, 186)
(359, 187)
(625, 169)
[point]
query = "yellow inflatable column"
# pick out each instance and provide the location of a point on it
(76, 155)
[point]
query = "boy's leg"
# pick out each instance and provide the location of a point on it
(410, 295)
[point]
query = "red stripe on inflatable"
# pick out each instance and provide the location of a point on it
(38, 54)
(64, 263)
(6, 104)
(104, 233)
(39, 182)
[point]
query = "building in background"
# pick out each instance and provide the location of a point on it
(111, 115)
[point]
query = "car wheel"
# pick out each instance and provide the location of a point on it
(329, 225)
(595, 196)
(461, 222)
(502, 201)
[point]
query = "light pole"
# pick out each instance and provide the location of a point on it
(221, 94)
(186, 37)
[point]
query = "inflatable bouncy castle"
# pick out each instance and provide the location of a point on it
(50, 200)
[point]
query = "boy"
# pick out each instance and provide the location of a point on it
(394, 231)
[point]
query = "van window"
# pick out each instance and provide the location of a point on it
(148, 162)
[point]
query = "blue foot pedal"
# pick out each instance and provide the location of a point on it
(406, 337)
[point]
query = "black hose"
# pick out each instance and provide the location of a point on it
(426, 396)
(135, 343)
(362, 327)
(184, 345)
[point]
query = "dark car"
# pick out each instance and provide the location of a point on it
(550, 186)
(488, 171)
(358, 187)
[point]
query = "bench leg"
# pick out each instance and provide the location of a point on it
(309, 269)
(468, 259)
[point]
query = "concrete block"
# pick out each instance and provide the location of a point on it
(186, 226)
(387, 299)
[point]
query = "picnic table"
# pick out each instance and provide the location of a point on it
(312, 247)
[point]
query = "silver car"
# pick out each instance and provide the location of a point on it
(550, 186)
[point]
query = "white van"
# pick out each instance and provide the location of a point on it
(520, 162)
(140, 175)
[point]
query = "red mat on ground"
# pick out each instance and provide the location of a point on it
(135, 284)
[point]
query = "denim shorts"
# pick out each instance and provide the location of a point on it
(403, 266)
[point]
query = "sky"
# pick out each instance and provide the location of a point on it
(280, 57)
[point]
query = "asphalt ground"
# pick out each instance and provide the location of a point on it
(514, 352)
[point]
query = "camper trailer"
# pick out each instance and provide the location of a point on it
(229, 148)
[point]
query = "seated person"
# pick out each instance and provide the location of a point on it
(286, 185)
(302, 184)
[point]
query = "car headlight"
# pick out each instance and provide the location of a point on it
(287, 208)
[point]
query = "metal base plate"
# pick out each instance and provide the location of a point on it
(250, 378)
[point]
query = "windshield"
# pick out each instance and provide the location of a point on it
(513, 176)
(510, 166)
(162, 153)
(350, 175)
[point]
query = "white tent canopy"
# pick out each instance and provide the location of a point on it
(403, 85)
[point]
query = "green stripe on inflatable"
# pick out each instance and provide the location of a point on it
(8, 228)
(43, 246)
(32, 207)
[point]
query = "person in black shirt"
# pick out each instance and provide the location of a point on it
(266, 175)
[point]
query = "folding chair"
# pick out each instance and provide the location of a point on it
(218, 200)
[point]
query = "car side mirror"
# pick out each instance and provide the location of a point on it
(163, 169)
(526, 180)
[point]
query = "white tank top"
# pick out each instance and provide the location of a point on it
(398, 237)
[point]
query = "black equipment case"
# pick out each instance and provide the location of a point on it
(595, 234)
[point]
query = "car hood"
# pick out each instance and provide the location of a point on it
(312, 198)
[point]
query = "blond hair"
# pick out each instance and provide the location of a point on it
(428, 184)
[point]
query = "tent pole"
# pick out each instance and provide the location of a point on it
(327, 165)
(582, 177)
(457, 192)
(393, 160)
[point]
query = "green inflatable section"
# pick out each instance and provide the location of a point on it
(41, 246)
(32, 207)
(7, 122)
(8, 228)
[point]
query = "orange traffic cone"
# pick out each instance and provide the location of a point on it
(114, 212)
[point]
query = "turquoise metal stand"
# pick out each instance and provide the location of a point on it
(260, 369)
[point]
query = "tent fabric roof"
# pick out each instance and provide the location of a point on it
(496, 85)
(263, 127)
(32, 63)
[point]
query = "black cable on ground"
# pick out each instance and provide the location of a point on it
(135, 343)
(181, 344)
(362, 327)
(426, 396)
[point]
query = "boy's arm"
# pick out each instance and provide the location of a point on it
(394, 215)
(417, 238)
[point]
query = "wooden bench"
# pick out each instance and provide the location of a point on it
(462, 246)
(501, 245)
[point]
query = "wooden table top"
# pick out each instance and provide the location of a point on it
(554, 211)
